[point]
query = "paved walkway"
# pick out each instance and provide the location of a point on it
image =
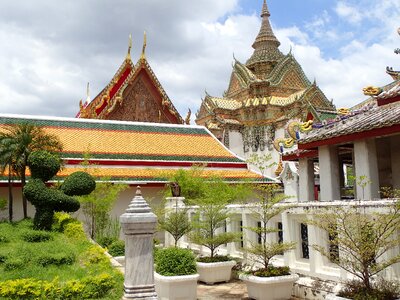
(234, 290)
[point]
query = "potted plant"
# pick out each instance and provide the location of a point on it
(175, 274)
(208, 224)
(268, 282)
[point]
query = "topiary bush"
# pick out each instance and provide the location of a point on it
(44, 166)
(74, 230)
(13, 264)
(35, 236)
(117, 248)
(175, 262)
(4, 239)
(60, 221)
(57, 259)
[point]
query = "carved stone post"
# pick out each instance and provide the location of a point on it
(138, 224)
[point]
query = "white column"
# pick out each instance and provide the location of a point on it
(289, 235)
(395, 154)
(366, 165)
(172, 204)
(329, 173)
(306, 180)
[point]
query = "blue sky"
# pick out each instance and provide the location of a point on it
(51, 49)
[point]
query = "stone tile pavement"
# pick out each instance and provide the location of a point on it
(233, 290)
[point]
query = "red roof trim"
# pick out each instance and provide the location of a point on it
(297, 156)
(155, 163)
(383, 131)
(388, 101)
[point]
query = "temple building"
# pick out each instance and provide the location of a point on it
(263, 95)
(133, 94)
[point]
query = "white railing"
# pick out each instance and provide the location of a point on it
(313, 264)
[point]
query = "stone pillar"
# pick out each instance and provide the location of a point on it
(306, 180)
(366, 163)
(395, 155)
(289, 235)
(329, 173)
(138, 225)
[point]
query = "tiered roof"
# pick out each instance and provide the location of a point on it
(270, 88)
(138, 152)
(120, 94)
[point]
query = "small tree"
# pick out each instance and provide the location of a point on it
(212, 213)
(361, 239)
(97, 206)
(174, 221)
(262, 162)
(266, 209)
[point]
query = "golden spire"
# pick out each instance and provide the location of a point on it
(87, 93)
(143, 56)
(128, 55)
(187, 119)
(279, 169)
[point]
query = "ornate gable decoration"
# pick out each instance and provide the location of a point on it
(127, 98)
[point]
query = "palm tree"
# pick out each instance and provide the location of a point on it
(21, 140)
(6, 163)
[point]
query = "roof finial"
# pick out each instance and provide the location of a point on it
(143, 56)
(128, 55)
(265, 11)
(87, 93)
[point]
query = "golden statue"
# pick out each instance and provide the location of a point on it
(187, 119)
(372, 91)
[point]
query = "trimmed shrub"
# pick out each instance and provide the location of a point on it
(207, 259)
(36, 236)
(117, 248)
(88, 288)
(3, 258)
(4, 239)
(55, 259)
(106, 241)
(78, 184)
(74, 230)
(13, 264)
(175, 262)
(43, 164)
(95, 255)
(61, 219)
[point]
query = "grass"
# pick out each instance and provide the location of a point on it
(70, 258)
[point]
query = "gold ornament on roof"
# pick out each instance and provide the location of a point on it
(128, 55)
(295, 127)
(372, 91)
(279, 169)
(187, 119)
(281, 143)
(343, 111)
(143, 56)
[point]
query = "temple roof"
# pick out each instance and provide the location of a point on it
(371, 121)
(134, 151)
(113, 95)
(266, 44)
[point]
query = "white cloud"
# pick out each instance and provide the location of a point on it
(349, 13)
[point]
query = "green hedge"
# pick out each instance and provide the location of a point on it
(175, 262)
(88, 288)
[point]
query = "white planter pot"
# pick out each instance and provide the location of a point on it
(176, 287)
(211, 273)
(269, 288)
(334, 297)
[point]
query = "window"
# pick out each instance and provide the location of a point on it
(305, 253)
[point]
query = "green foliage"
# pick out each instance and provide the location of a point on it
(175, 222)
(36, 236)
(78, 184)
(74, 230)
(4, 239)
(381, 290)
(92, 287)
(117, 248)
(214, 259)
(3, 203)
(97, 205)
(106, 241)
(362, 239)
(62, 268)
(212, 213)
(266, 209)
(60, 221)
(272, 271)
(175, 262)
(13, 264)
(262, 162)
(190, 181)
(44, 166)
(57, 259)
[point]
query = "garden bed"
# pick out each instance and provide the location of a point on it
(54, 265)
